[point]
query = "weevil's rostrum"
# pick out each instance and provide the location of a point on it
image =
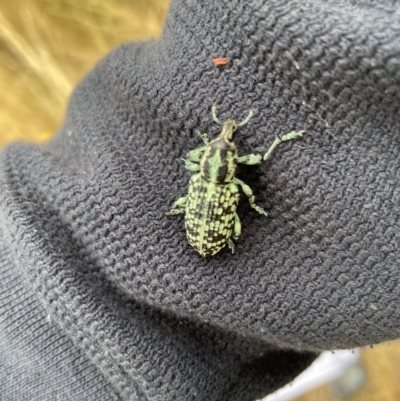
(211, 220)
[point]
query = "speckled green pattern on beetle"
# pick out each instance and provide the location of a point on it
(211, 220)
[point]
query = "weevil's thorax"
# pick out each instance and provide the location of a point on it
(219, 162)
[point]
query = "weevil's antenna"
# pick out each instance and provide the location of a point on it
(246, 120)
(214, 113)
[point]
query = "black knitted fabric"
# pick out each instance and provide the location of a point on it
(102, 297)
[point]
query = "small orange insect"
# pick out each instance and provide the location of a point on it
(220, 61)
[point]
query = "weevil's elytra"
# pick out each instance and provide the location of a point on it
(210, 206)
(209, 212)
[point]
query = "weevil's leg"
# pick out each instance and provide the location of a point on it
(249, 193)
(231, 245)
(214, 113)
(195, 155)
(204, 137)
(237, 228)
(178, 207)
(250, 159)
(286, 137)
(246, 120)
(191, 166)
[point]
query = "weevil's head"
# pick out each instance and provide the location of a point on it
(228, 129)
(218, 164)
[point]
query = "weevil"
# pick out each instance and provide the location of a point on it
(211, 220)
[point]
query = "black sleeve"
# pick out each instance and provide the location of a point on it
(102, 297)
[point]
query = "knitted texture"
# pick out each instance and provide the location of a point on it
(101, 295)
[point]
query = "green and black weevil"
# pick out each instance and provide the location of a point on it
(211, 220)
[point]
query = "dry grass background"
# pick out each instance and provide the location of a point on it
(382, 366)
(46, 47)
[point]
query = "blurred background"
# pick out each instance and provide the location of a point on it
(47, 46)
